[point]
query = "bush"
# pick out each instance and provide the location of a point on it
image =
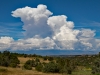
(4, 63)
(45, 58)
(50, 58)
(51, 67)
(39, 67)
(37, 60)
(96, 67)
(65, 65)
(67, 70)
(13, 65)
(7, 58)
(29, 64)
(28, 67)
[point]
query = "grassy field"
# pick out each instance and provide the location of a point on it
(21, 71)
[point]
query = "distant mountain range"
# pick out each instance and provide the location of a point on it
(58, 52)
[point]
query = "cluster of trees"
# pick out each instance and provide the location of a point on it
(8, 59)
(31, 63)
(26, 55)
(65, 64)
(57, 65)
(96, 66)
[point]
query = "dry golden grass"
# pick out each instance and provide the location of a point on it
(20, 71)
(23, 60)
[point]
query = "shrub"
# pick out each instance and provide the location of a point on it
(96, 67)
(28, 67)
(29, 64)
(44, 63)
(13, 65)
(50, 58)
(67, 70)
(51, 67)
(39, 67)
(37, 60)
(7, 58)
(25, 55)
(45, 58)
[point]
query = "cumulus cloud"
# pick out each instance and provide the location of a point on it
(64, 34)
(33, 43)
(26, 44)
(6, 42)
(34, 19)
(43, 31)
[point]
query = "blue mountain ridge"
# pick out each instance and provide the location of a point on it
(57, 52)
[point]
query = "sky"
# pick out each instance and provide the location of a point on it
(55, 26)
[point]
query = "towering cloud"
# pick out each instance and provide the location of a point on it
(34, 19)
(63, 33)
(44, 31)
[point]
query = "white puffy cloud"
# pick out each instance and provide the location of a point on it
(86, 40)
(34, 19)
(8, 43)
(56, 22)
(64, 34)
(43, 32)
(87, 33)
(5, 43)
(33, 43)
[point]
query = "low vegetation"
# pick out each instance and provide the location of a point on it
(8, 59)
(28, 64)
(3, 70)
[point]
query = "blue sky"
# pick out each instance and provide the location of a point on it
(83, 13)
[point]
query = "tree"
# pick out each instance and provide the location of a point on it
(50, 58)
(96, 67)
(51, 67)
(37, 60)
(39, 67)
(45, 58)
(8, 59)
(28, 65)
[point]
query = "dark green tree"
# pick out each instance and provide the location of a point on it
(96, 67)
(8, 59)
(39, 67)
(51, 67)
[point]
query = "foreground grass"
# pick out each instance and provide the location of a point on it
(19, 71)
(82, 72)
